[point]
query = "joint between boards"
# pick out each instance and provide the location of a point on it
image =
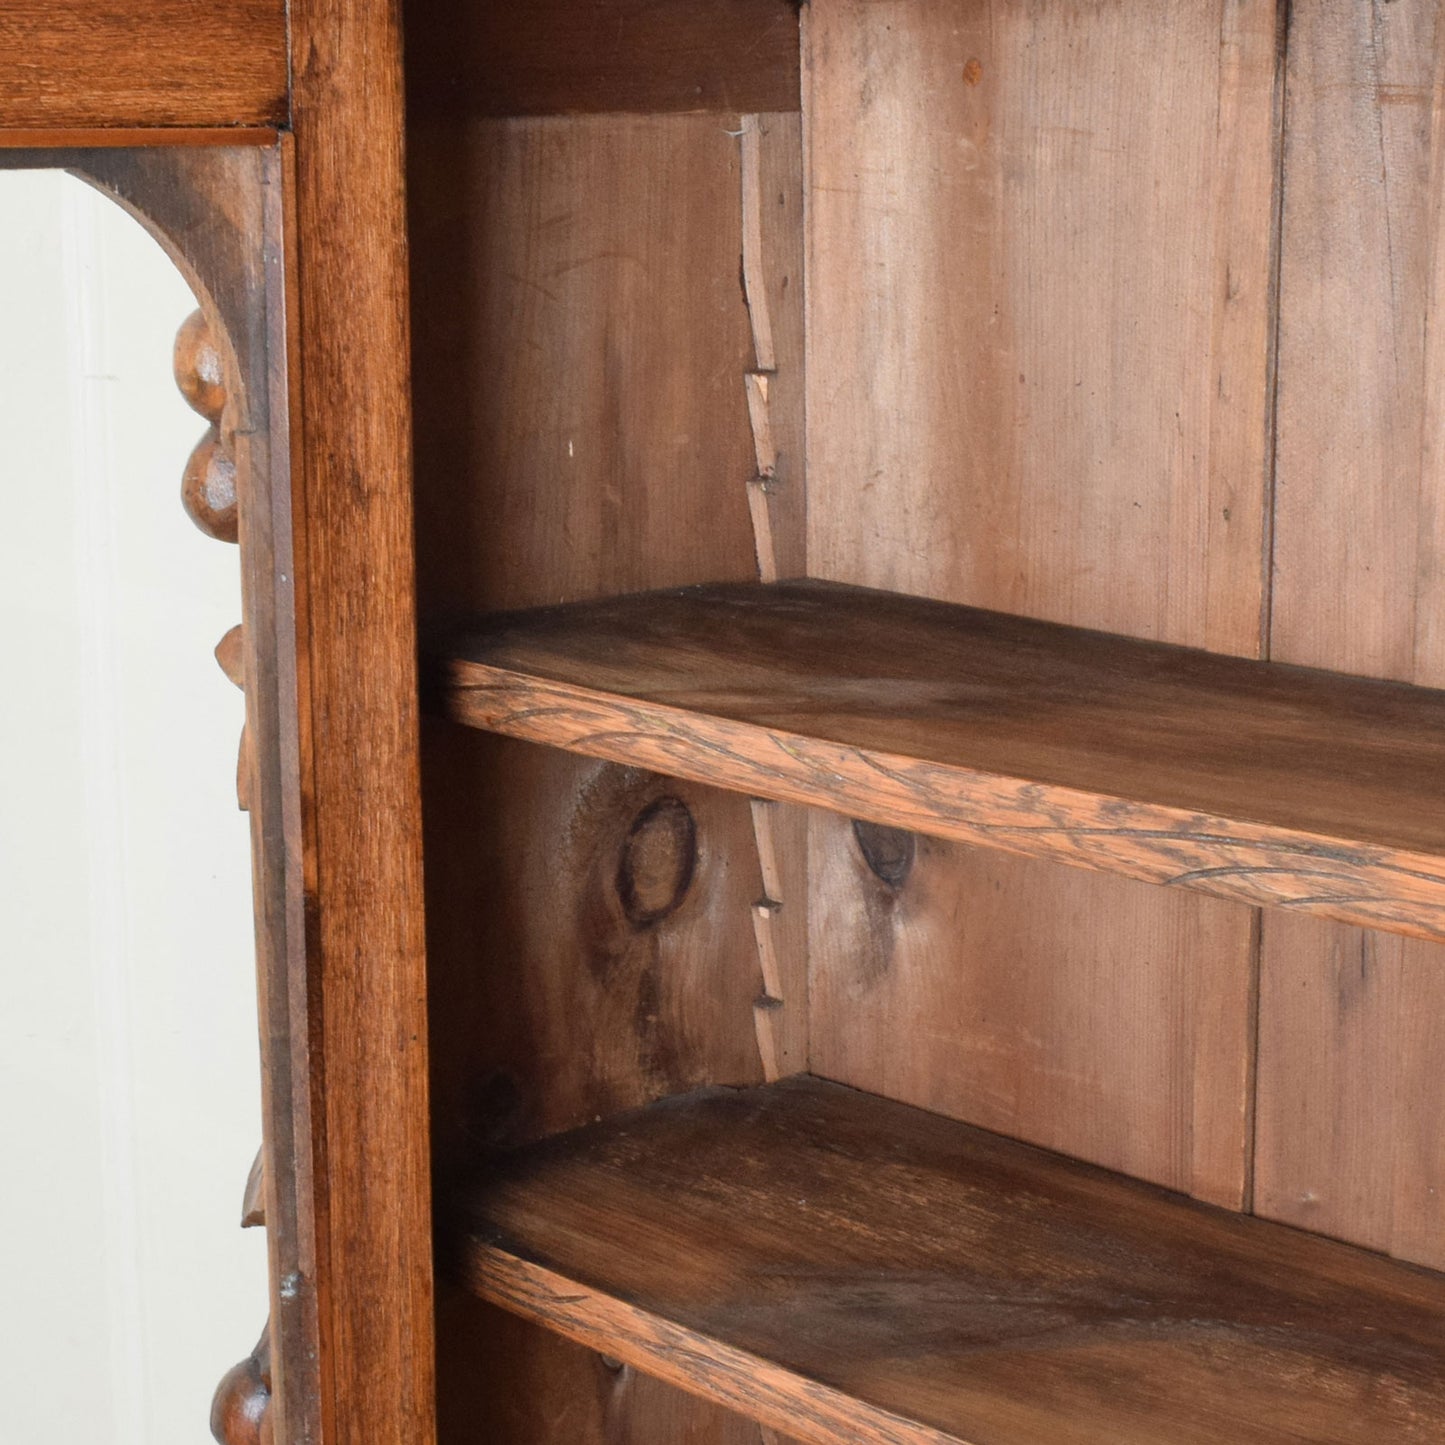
(770, 1003)
(768, 1008)
(756, 379)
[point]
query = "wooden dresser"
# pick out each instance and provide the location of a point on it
(889, 555)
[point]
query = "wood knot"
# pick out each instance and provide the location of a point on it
(659, 858)
(888, 852)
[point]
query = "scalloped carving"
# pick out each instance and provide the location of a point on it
(208, 487)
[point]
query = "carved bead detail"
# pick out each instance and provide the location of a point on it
(241, 1407)
(199, 371)
(208, 488)
(230, 653)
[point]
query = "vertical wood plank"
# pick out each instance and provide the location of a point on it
(772, 204)
(1011, 295)
(1352, 1054)
(1039, 382)
(360, 835)
(780, 202)
(583, 338)
(1082, 1013)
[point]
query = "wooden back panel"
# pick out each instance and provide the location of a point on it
(582, 340)
(1038, 356)
(1352, 1052)
(1063, 265)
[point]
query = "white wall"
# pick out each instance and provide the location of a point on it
(129, 1090)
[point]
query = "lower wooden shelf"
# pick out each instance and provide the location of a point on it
(844, 1268)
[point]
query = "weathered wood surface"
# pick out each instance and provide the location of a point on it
(581, 344)
(1038, 342)
(557, 57)
(1270, 784)
(1351, 1053)
(103, 64)
(609, 448)
(847, 1268)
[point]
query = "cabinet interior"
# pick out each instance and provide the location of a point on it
(1114, 317)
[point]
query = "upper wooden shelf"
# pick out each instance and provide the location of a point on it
(1271, 784)
(845, 1268)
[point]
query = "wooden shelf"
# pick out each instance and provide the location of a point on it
(845, 1268)
(1275, 785)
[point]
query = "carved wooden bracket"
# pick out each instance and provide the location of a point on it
(241, 1408)
(217, 212)
(209, 485)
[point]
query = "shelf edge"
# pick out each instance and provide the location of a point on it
(805, 1410)
(1396, 890)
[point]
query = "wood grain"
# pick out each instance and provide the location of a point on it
(357, 844)
(557, 57)
(1038, 380)
(581, 342)
(533, 1385)
(773, 284)
(847, 1268)
(1253, 781)
(1047, 1015)
(16, 141)
(1352, 1060)
(78, 64)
